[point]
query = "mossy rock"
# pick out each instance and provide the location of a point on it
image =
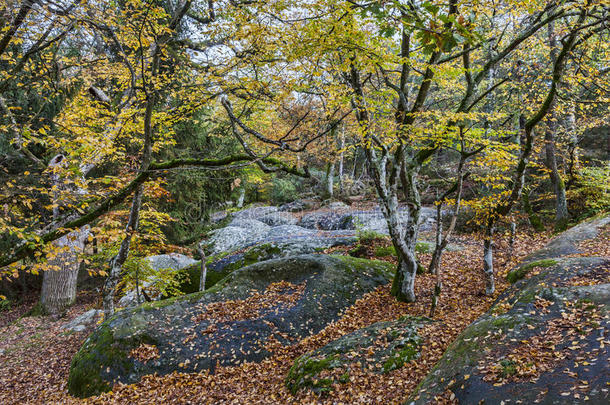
(88, 376)
(320, 288)
(513, 319)
(384, 251)
(383, 347)
(220, 266)
(520, 272)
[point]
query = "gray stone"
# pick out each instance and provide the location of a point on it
(325, 220)
(241, 233)
(81, 322)
(515, 318)
(338, 206)
(278, 218)
(380, 347)
(172, 261)
(288, 231)
(320, 288)
(218, 216)
(296, 206)
(254, 212)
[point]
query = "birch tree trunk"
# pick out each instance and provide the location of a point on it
(242, 196)
(330, 179)
(204, 270)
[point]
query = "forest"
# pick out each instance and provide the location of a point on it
(295, 202)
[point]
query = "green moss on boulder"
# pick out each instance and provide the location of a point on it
(520, 272)
(383, 347)
(327, 285)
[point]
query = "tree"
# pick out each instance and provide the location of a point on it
(400, 83)
(129, 94)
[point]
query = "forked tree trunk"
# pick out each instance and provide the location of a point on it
(59, 280)
(404, 238)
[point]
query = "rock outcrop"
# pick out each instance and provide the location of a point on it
(276, 301)
(545, 340)
(383, 347)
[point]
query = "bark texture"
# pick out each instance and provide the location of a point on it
(59, 281)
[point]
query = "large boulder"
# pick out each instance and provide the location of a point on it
(278, 218)
(254, 212)
(374, 220)
(381, 347)
(543, 341)
(241, 232)
(83, 321)
(174, 261)
(325, 220)
(276, 301)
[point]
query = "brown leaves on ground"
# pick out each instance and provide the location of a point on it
(36, 355)
(461, 303)
(598, 246)
(282, 293)
(144, 353)
(540, 353)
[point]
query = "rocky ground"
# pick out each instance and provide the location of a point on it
(359, 346)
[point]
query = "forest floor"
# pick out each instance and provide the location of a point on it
(35, 353)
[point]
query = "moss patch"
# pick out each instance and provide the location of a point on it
(424, 247)
(521, 272)
(382, 251)
(304, 372)
(85, 373)
(381, 347)
(399, 358)
(355, 264)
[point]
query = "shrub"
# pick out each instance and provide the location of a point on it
(283, 191)
(593, 193)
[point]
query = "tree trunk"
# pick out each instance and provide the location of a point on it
(330, 175)
(242, 196)
(403, 285)
(59, 281)
(404, 238)
(204, 270)
(116, 264)
(488, 261)
(438, 248)
(533, 218)
(341, 146)
(561, 205)
(573, 147)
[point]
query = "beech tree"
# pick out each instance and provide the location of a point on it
(128, 93)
